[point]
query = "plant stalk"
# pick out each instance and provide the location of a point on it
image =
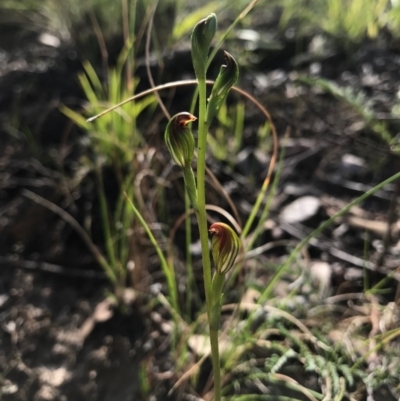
(190, 184)
(216, 297)
(266, 293)
(202, 221)
(168, 270)
(216, 363)
(201, 198)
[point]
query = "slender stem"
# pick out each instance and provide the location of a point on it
(216, 364)
(387, 337)
(202, 221)
(108, 269)
(168, 271)
(189, 267)
(201, 198)
(318, 230)
(267, 206)
(225, 34)
(190, 198)
(217, 284)
(190, 184)
(255, 208)
(106, 222)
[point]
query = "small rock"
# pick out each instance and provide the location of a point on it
(300, 210)
(3, 299)
(8, 387)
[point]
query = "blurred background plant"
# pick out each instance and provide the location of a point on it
(83, 22)
(350, 19)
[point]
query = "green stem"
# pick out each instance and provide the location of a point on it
(255, 208)
(317, 231)
(189, 267)
(168, 271)
(217, 284)
(267, 206)
(201, 198)
(203, 229)
(106, 223)
(227, 31)
(190, 184)
(389, 336)
(190, 198)
(216, 365)
(216, 297)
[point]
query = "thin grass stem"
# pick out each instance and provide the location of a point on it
(101, 260)
(389, 336)
(246, 10)
(168, 272)
(189, 265)
(281, 270)
(268, 203)
(106, 222)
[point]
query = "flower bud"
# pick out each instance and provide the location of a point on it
(225, 246)
(179, 139)
(203, 34)
(227, 77)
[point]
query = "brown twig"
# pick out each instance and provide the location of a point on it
(74, 224)
(100, 39)
(225, 194)
(147, 57)
(374, 317)
(175, 84)
(125, 29)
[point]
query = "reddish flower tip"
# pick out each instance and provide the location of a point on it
(225, 246)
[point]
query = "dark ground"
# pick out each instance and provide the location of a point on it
(58, 340)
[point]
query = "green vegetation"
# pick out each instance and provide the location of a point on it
(349, 19)
(314, 352)
(358, 102)
(259, 340)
